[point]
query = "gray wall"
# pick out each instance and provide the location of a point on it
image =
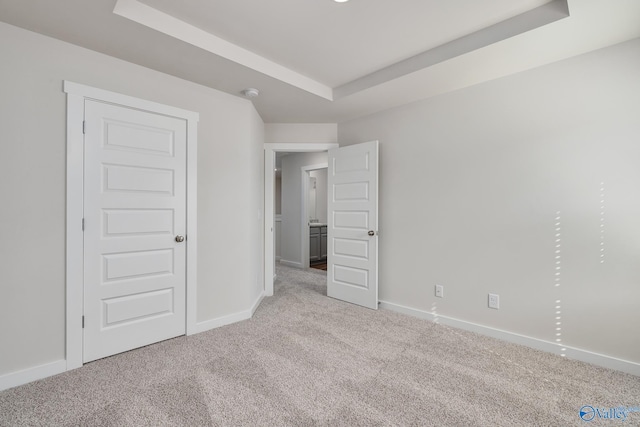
(321, 193)
(475, 185)
(32, 168)
(300, 133)
(292, 203)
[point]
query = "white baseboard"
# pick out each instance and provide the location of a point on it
(228, 319)
(293, 264)
(548, 346)
(221, 321)
(14, 379)
(256, 304)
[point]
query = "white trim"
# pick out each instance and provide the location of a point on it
(304, 231)
(222, 321)
(256, 304)
(192, 225)
(269, 261)
(76, 96)
(75, 241)
(269, 196)
(547, 346)
(278, 219)
(14, 379)
(293, 264)
(228, 319)
(129, 101)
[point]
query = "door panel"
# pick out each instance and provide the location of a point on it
(350, 220)
(353, 191)
(352, 268)
(130, 265)
(351, 248)
(130, 308)
(138, 222)
(142, 181)
(135, 205)
(137, 137)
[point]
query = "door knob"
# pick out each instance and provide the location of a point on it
(179, 238)
(371, 233)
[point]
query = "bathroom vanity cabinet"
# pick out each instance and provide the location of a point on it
(317, 243)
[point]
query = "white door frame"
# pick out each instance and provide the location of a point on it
(304, 234)
(270, 150)
(76, 95)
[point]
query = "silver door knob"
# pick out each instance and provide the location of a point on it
(179, 238)
(371, 233)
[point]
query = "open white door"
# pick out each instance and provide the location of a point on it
(352, 267)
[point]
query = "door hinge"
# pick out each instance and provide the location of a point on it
(82, 224)
(83, 126)
(82, 322)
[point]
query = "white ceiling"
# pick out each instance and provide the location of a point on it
(320, 61)
(336, 43)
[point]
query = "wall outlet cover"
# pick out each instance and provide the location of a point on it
(440, 291)
(494, 301)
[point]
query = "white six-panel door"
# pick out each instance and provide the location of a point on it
(352, 267)
(135, 207)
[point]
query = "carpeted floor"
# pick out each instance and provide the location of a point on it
(308, 360)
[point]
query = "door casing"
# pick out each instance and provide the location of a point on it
(270, 150)
(76, 96)
(304, 233)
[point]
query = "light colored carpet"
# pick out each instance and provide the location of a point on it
(308, 360)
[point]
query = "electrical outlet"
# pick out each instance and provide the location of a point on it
(494, 301)
(440, 291)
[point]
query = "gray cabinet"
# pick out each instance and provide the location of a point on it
(323, 243)
(317, 243)
(314, 244)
